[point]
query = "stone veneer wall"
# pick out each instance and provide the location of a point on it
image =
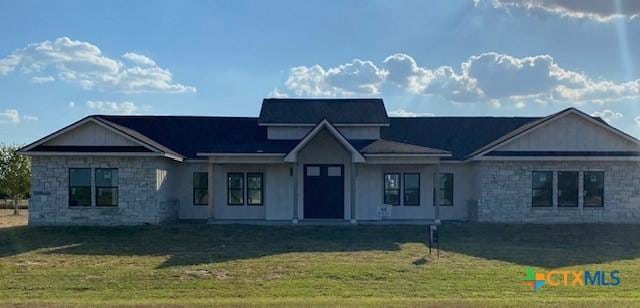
(506, 193)
(139, 202)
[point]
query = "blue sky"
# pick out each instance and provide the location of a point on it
(63, 60)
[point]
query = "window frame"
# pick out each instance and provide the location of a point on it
(551, 185)
(229, 189)
(441, 188)
(261, 175)
(193, 192)
(584, 190)
(69, 186)
(117, 189)
(405, 189)
(384, 188)
(577, 190)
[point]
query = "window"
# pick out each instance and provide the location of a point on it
(542, 189)
(235, 188)
(567, 189)
(313, 171)
(79, 187)
(255, 188)
(392, 188)
(200, 188)
(593, 189)
(411, 190)
(334, 171)
(446, 189)
(106, 187)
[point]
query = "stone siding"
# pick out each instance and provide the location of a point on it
(506, 193)
(138, 201)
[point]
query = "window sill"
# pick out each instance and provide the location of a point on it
(79, 207)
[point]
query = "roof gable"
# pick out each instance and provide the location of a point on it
(348, 111)
(292, 156)
(567, 130)
(90, 135)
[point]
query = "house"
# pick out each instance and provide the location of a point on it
(335, 159)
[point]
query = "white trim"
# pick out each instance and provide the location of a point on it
(240, 154)
(292, 156)
(557, 158)
(336, 125)
(407, 155)
(518, 133)
(31, 153)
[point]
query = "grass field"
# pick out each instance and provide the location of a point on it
(291, 265)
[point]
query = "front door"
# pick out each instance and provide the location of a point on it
(324, 191)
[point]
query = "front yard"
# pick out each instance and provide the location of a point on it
(291, 265)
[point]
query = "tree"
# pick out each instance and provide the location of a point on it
(15, 174)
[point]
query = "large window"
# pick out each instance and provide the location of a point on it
(392, 188)
(568, 189)
(411, 191)
(255, 188)
(106, 187)
(593, 189)
(235, 188)
(80, 187)
(445, 194)
(200, 188)
(542, 189)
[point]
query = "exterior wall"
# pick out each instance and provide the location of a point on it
(221, 208)
(188, 210)
(141, 200)
(569, 133)
(91, 134)
(298, 132)
(506, 193)
(370, 194)
(278, 192)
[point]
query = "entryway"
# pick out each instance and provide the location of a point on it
(324, 191)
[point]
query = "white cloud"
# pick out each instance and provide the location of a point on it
(30, 118)
(637, 120)
(84, 64)
(10, 116)
(108, 107)
(488, 77)
(42, 79)
(138, 59)
(72, 104)
(276, 93)
(599, 10)
(355, 78)
(409, 114)
(607, 115)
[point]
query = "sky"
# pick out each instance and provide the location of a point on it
(63, 60)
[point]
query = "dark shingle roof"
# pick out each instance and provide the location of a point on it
(382, 146)
(190, 135)
(459, 135)
(312, 111)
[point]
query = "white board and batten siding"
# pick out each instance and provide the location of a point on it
(90, 134)
(569, 133)
(299, 132)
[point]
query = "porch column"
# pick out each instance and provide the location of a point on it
(436, 191)
(294, 173)
(210, 190)
(352, 180)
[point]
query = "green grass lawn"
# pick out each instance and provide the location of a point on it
(480, 264)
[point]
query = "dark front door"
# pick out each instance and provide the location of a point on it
(324, 191)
